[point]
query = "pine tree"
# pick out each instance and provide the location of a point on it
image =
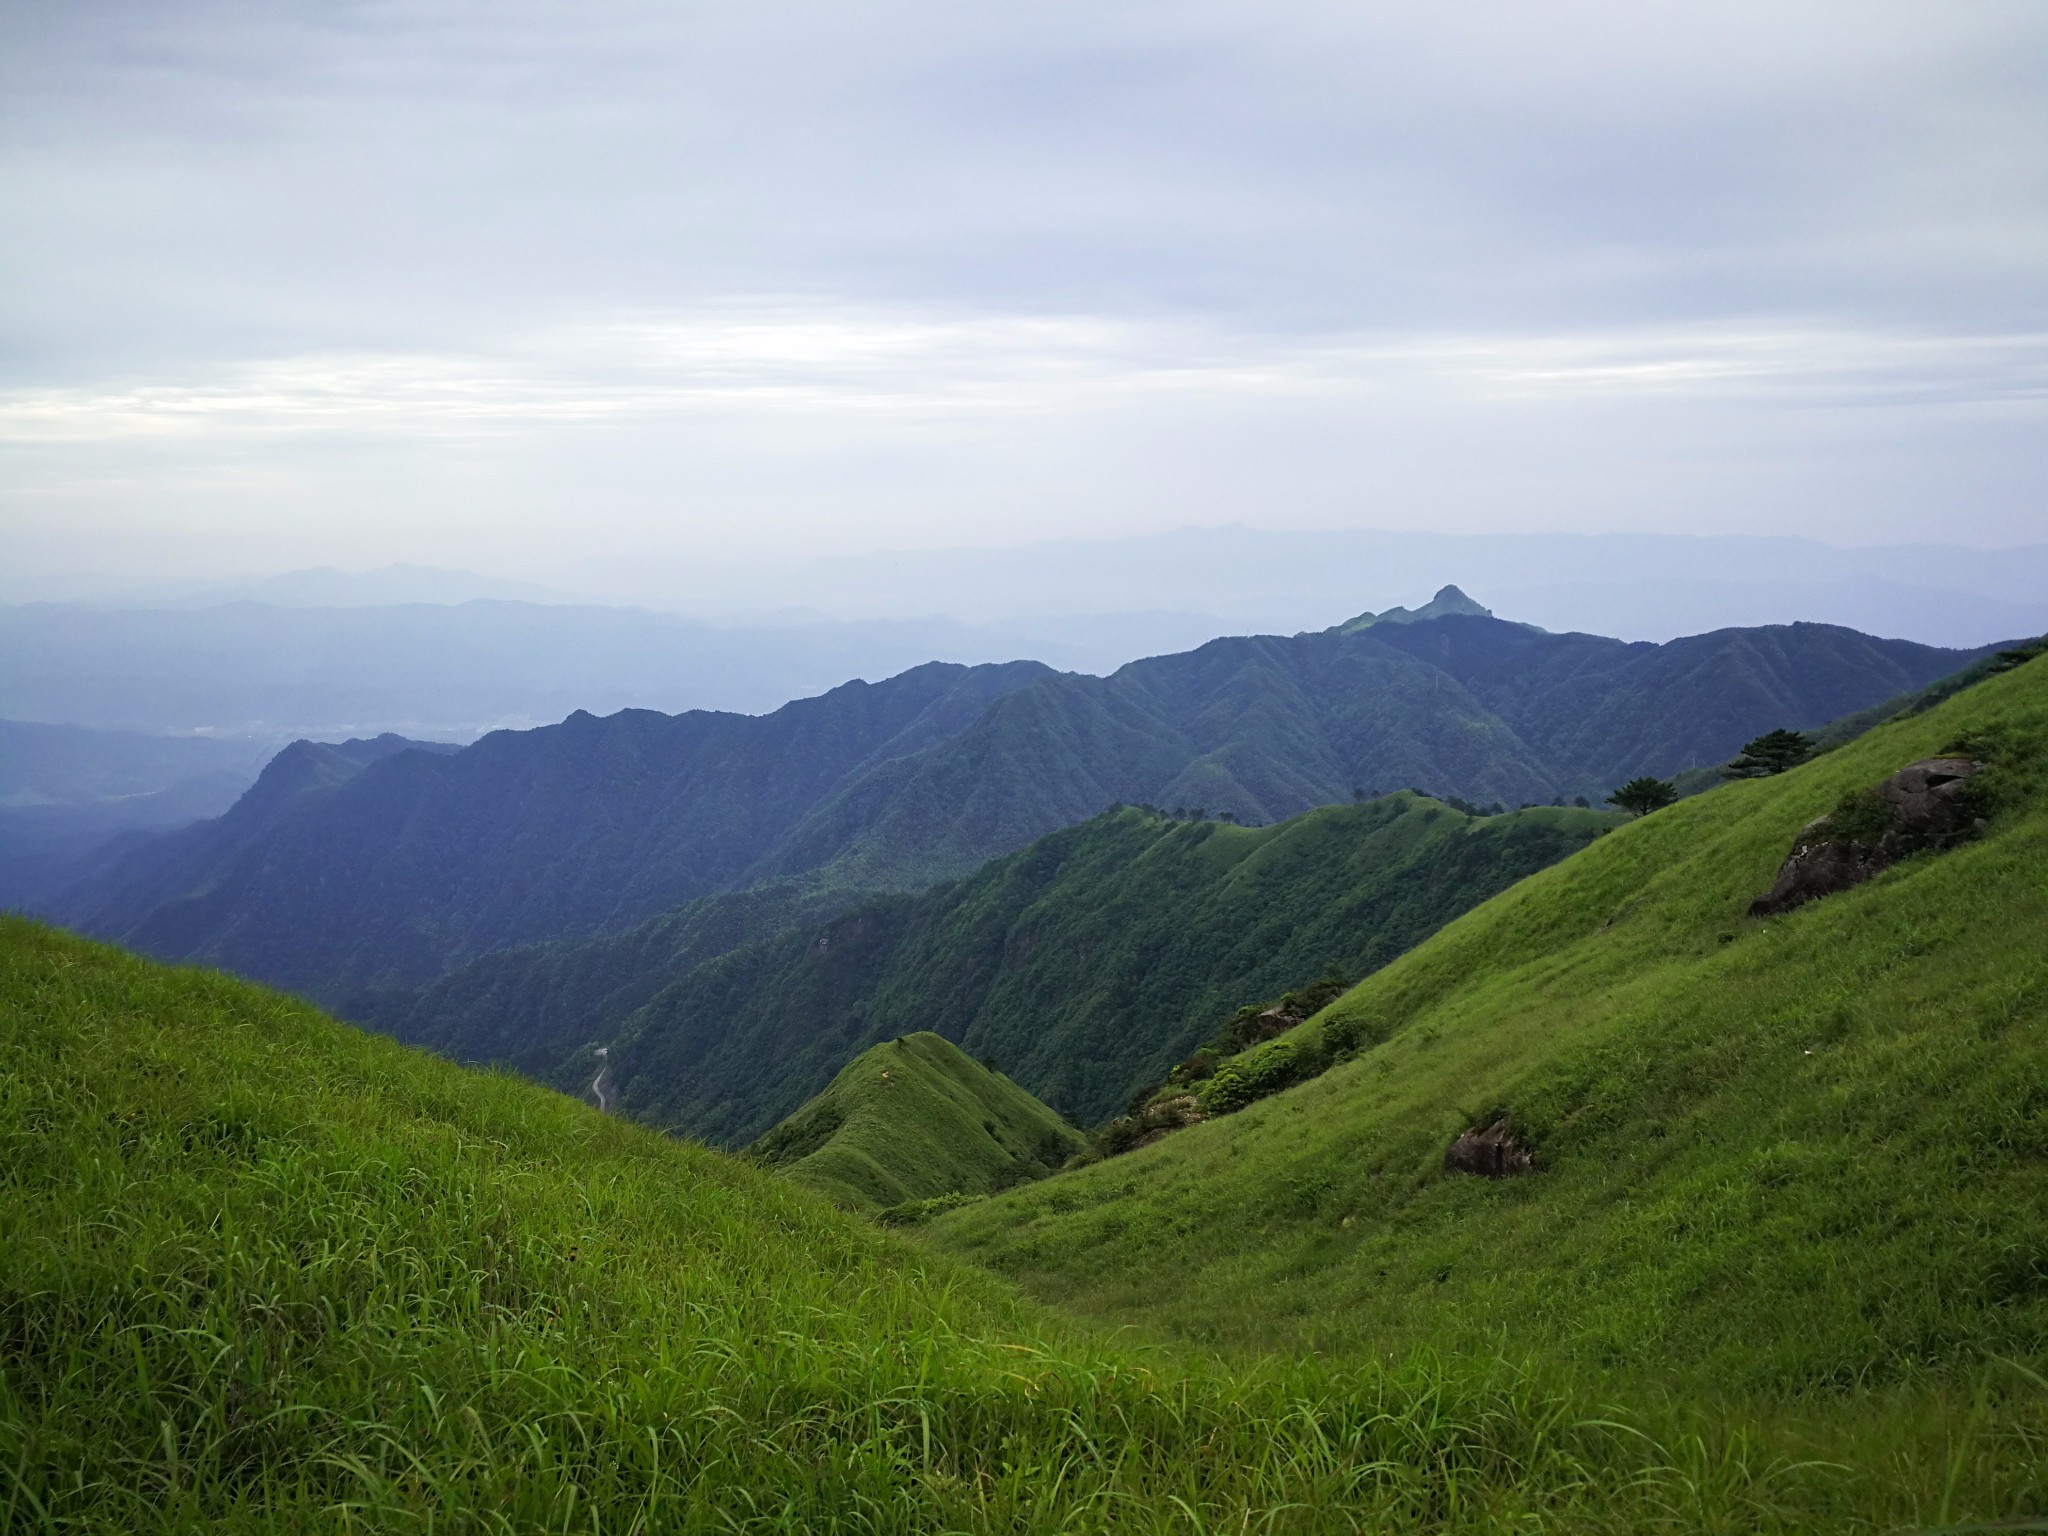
(1772, 752)
(1640, 796)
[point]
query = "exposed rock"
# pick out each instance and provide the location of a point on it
(1924, 806)
(1492, 1152)
(1274, 1022)
(1163, 1117)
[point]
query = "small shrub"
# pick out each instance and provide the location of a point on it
(1860, 816)
(912, 1213)
(1348, 1036)
(1245, 1079)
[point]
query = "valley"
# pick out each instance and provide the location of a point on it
(1128, 1141)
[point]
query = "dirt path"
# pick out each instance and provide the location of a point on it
(601, 1085)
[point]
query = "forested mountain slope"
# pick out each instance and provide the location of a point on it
(592, 825)
(1263, 728)
(260, 1272)
(1805, 1153)
(143, 873)
(917, 1118)
(525, 835)
(1083, 966)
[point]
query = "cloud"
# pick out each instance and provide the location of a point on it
(1139, 263)
(794, 359)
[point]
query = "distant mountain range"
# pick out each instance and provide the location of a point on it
(404, 866)
(455, 671)
(66, 792)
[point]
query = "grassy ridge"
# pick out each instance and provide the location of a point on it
(913, 1119)
(259, 1272)
(1804, 1156)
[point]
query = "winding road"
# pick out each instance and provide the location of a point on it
(601, 1085)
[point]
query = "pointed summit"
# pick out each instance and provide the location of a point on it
(1451, 600)
(1448, 601)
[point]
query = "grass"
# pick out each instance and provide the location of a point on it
(915, 1119)
(1798, 1164)
(260, 1272)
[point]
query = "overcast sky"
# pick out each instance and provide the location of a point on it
(584, 292)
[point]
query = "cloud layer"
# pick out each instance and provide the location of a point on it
(526, 286)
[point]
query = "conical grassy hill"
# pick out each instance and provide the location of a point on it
(916, 1119)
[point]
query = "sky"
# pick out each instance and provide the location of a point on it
(593, 294)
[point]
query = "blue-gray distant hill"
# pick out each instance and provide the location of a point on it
(418, 862)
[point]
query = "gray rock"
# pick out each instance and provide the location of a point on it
(1929, 808)
(1492, 1153)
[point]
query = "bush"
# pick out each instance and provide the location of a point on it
(912, 1213)
(1245, 1079)
(1861, 816)
(1346, 1037)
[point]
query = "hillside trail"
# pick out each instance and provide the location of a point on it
(601, 1085)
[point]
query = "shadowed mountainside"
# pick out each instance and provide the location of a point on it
(419, 863)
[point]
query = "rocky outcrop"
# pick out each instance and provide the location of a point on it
(1925, 806)
(1269, 1025)
(1491, 1152)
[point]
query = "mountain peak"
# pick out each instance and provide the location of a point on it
(1448, 600)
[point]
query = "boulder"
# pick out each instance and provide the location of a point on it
(1491, 1152)
(1924, 806)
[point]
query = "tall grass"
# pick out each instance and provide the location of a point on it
(261, 1272)
(1791, 1171)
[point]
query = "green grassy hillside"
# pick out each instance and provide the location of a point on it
(1807, 1155)
(914, 1119)
(260, 1272)
(1083, 966)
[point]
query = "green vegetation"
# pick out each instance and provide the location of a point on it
(585, 827)
(1214, 1080)
(592, 826)
(1800, 1163)
(539, 1008)
(1640, 796)
(1084, 966)
(914, 1120)
(1772, 752)
(259, 1272)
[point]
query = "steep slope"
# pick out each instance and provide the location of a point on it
(1083, 966)
(913, 1119)
(535, 1006)
(259, 1272)
(579, 827)
(144, 877)
(1784, 1155)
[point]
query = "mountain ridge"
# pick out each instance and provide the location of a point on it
(593, 825)
(1757, 1152)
